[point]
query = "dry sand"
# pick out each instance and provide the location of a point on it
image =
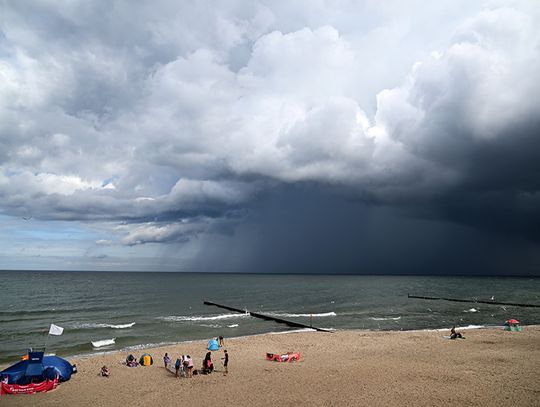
(346, 368)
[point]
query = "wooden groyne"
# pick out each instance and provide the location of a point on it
(512, 304)
(266, 317)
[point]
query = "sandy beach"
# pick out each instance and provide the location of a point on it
(422, 368)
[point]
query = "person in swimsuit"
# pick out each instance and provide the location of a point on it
(190, 366)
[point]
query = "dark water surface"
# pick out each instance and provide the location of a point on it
(142, 309)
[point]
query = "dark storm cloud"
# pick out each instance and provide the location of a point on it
(190, 125)
(306, 229)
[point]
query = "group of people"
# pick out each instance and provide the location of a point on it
(183, 366)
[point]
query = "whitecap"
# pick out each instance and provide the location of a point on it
(385, 318)
(178, 318)
(94, 325)
(123, 326)
(103, 342)
(320, 315)
(471, 310)
(232, 326)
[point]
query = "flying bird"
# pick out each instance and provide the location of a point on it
(27, 217)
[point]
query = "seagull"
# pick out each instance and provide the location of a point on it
(27, 217)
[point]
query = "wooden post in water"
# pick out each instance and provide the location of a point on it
(512, 304)
(267, 317)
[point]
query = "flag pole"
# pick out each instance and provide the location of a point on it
(46, 341)
(48, 334)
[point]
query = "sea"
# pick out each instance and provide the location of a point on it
(111, 311)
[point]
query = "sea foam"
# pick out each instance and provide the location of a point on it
(320, 315)
(179, 318)
(91, 325)
(103, 342)
(123, 326)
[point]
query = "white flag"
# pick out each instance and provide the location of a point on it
(55, 330)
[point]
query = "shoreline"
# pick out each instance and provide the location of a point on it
(143, 347)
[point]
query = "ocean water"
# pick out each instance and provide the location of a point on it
(113, 311)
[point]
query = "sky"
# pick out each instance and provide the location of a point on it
(369, 137)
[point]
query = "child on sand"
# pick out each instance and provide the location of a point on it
(105, 371)
(166, 360)
(225, 362)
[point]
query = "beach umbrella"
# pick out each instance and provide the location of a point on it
(512, 321)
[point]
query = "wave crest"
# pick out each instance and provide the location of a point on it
(92, 325)
(320, 315)
(103, 342)
(180, 318)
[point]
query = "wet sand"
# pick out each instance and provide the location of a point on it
(346, 368)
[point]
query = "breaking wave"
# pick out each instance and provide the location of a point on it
(103, 342)
(385, 318)
(91, 325)
(179, 318)
(320, 315)
(471, 310)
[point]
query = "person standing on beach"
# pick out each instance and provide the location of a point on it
(226, 363)
(190, 366)
(177, 366)
(166, 360)
(221, 343)
(185, 364)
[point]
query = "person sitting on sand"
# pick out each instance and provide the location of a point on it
(454, 334)
(105, 371)
(131, 361)
(208, 366)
